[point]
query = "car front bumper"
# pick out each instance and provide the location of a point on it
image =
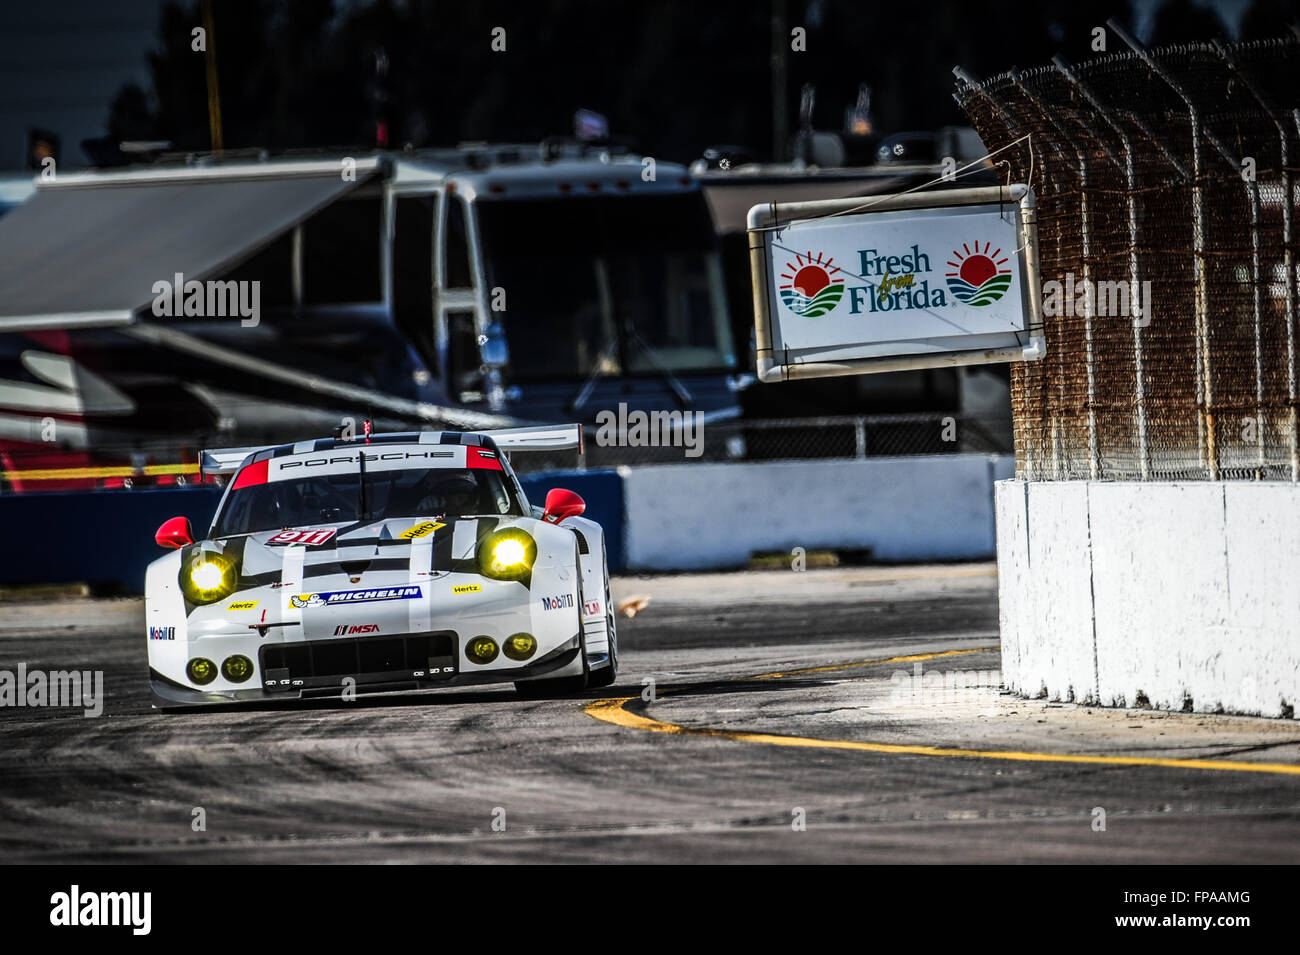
(293, 672)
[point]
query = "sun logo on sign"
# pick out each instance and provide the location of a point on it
(811, 291)
(978, 280)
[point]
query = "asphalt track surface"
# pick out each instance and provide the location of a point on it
(772, 737)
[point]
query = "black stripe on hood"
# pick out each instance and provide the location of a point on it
(335, 567)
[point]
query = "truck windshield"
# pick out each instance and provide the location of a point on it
(616, 285)
(332, 498)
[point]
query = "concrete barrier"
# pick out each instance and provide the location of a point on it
(1176, 595)
(709, 516)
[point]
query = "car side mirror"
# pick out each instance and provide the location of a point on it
(561, 504)
(175, 533)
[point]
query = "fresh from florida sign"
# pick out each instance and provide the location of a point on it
(906, 281)
(977, 277)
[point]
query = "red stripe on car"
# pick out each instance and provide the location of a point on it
(475, 458)
(255, 473)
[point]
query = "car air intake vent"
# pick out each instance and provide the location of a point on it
(427, 656)
(582, 543)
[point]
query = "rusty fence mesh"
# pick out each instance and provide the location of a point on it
(1174, 167)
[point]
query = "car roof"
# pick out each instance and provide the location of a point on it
(469, 438)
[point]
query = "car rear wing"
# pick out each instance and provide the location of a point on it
(223, 460)
(556, 437)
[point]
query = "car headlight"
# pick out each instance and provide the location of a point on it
(520, 646)
(507, 554)
(482, 650)
(207, 577)
(201, 671)
(237, 668)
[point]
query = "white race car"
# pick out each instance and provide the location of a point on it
(393, 562)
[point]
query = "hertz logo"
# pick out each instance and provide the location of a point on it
(467, 589)
(421, 530)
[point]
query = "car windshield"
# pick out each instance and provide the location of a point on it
(329, 499)
(620, 285)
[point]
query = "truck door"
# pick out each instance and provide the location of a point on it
(457, 300)
(413, 290)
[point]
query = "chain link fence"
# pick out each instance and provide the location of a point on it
(1165, 182)
(792, 439)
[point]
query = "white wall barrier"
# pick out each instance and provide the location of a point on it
(702, 516)
(1186, 596)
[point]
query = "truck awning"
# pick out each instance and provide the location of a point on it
(87, 249)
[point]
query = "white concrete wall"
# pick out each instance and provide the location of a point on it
(700, 516)
(1114, 591)
(1043, 535)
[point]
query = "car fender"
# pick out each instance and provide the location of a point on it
(590, 538)
(166, 627)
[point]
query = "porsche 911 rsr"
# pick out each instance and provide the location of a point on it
(397, 562)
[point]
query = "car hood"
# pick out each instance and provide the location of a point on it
(355, 547)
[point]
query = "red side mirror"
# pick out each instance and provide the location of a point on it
(175, 533)
(561, 504)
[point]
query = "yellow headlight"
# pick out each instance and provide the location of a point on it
(509, 553)
(521, 646)
(208, 576)
(482, 650)
(237, 668)
(201, 671)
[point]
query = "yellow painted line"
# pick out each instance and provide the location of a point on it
(613, 711)
(68, 474)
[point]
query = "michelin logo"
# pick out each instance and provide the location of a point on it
(332, 598)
